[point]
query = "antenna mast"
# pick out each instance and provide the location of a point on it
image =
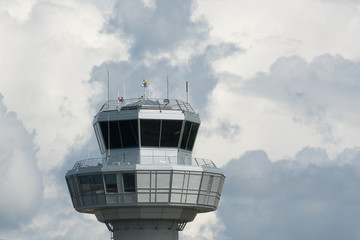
(187, 92)
(108, 89)
(167, 86)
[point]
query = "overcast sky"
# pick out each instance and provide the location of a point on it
(276, 83)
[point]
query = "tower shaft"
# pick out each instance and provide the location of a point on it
(150, 229)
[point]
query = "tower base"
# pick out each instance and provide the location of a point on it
(146, 229)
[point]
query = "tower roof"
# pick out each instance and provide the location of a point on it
(147, 103)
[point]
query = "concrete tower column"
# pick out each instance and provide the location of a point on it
(150, 229)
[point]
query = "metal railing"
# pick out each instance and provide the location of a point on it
(94, 162)
(153, 103)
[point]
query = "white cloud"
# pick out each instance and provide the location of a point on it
(297, 104)
(202, 228)
(49, 56)
(272, 29)
(20, 181)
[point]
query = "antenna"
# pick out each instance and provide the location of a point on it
(167, 87)
(108, 126)
(124, 90)
(108, 90)
(187, 92)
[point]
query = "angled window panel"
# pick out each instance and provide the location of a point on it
(186, 134)
(72, 191)
(205, 182)
(192, 136)
(170, 133)
(111, 183)
(215, 184)
(99, 138)
(105, 127)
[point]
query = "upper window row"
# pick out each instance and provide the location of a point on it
(153, 133)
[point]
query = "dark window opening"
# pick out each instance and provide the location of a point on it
(129, 182)
(104, 130)
(123, 134)
(189, 135)
(129, 133)
(170, 133)
(192, 137)
(150, 132)
(186, 134)
(110, 183)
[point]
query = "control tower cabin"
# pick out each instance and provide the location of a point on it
(146, 185)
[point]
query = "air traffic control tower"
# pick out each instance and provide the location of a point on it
(147, 184)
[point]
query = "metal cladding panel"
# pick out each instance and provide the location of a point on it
(116, 115)
(161, 114)
(153, 187)
(146, 230)
(192, 117)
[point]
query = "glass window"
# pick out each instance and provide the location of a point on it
(115, 139)
(71, 187)
(104, 130)
(123, 134)
(170, 133)
(150, 132)
(98, 137)
(129, 133)
(192, 137)
(129, 182)
(98, 186)
(85, 184)
(185, 135)
(110, 183)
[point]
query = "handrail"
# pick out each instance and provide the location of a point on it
(157, 103)
(94, 162)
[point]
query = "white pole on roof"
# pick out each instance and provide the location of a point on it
(108, 88)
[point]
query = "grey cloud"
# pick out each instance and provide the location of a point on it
(156, 29)
(289, 200)
(326, 86)
(162, 30)
(20, 182)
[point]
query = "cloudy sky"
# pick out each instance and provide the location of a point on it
(276, 84)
